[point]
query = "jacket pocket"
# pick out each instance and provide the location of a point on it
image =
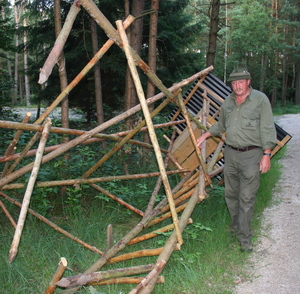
(250, 119)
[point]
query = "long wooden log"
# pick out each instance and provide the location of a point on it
(158, 268)
(158, 184)
(137, 254)
(72, 182)
(193, 138)
(65, 147)
(121, 244)
(82, 74)
(113, 34)
(153, 234)
(65, 131)
(216, 156)
(152, 134)
(6, 212)
(26, 200)
(121, 143)
(126, 280)
(97, 138)
(97, 276)
(52, 225)
(12, 146)
(46, 70)
(179, 201)
(57, 275)
(24, 152)
(171, 243)
(165, 216)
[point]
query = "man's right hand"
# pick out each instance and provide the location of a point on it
(202, 138)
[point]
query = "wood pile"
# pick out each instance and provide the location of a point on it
(182, 157)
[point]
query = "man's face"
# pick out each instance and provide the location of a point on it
(240, 87)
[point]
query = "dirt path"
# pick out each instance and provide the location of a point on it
(274, 266)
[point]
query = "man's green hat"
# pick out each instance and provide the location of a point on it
(239, 73)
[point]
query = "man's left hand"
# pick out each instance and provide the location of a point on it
(265, 164)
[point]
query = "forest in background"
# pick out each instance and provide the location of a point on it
(176, 38)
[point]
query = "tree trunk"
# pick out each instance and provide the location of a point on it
(213, 32)
(63, 84)
(284, 81)
(26, 78)
(152, 53)
(135, 36)
(16, 75)
(97, 75)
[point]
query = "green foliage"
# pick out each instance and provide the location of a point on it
(288, 108)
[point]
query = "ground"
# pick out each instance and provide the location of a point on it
(274, 265)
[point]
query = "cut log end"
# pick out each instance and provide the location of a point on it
(12, 255)
(64, 262)
(64, 283)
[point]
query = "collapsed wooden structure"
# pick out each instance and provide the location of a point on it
(196, 111)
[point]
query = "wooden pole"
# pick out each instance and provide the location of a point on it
(84, 279)
(120, 144)
(136, 254)
(65, 147)
(156, 271)
(26, 200)
(113, 34)
(8, 214)
(126, 280)
(52, 225)
(57, 276)
(65, 131)
(154, 234)
(72, 182)
(171, 243)
(23, 153)
(152, 134)
(12, 146)
(82, 74)
(193, 138)
(158, 184)
(60, 41)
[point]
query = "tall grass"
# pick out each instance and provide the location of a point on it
(209, 261)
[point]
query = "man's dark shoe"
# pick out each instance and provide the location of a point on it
(246, 246)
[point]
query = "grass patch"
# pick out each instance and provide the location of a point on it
(209, 261)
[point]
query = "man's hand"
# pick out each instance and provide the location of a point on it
(202, 138)
(265, 164)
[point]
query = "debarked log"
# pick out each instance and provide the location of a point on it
(126, 280)
(84, 279)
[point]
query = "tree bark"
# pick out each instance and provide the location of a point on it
(26, 77)
(213, 32)
(135, 36)
(58, 274)
(97, 75)
(53, 57)
(152, 52)
(63, 84)
(98, 276)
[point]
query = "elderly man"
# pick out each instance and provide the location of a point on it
(246, 118)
